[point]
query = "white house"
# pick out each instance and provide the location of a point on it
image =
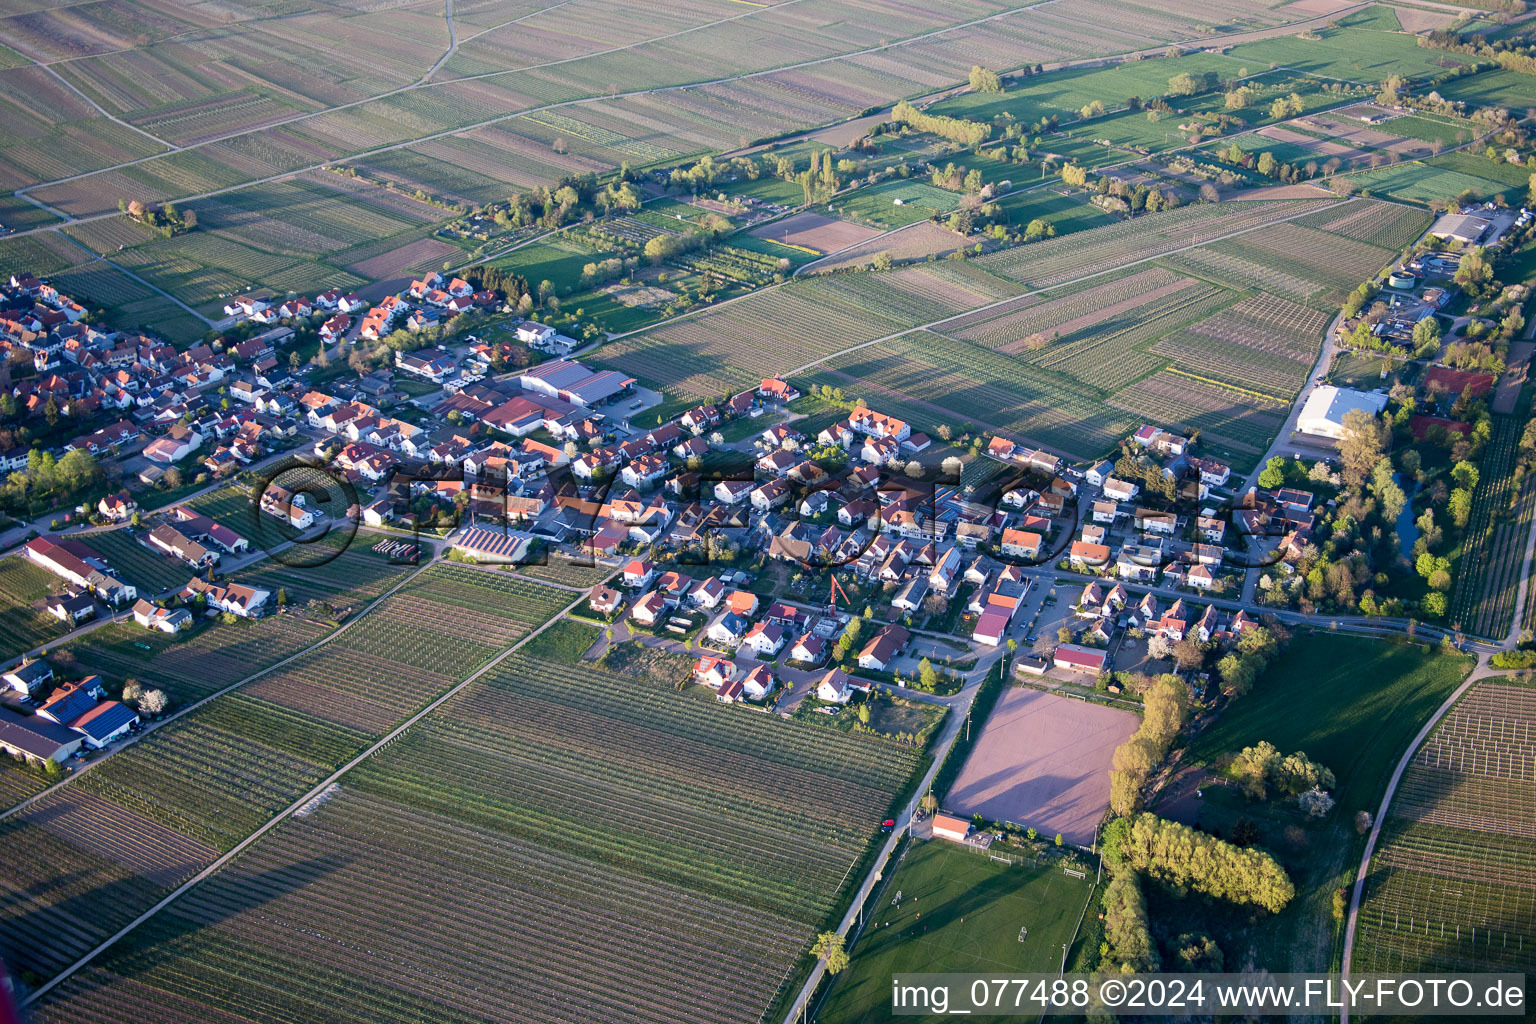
(834, 687)
(765, 638)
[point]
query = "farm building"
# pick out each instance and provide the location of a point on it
(36, 739)
(1460, 227)
(1326, 407)
(1076, 658)
(947, 826)
(483, 545)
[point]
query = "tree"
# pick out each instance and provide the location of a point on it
(282, 597)
(828, 948)
(1183, 84)
(1460, 506)
(1072, 174)
(1198, 953)
(1273, 476)
(1365, 441)
(1059, 840)
(154, 702)
(927, 678)
(952, 466)
(983, 80)
(1315, 803)
(1426, 338)
(1253, 767)
(132, 690)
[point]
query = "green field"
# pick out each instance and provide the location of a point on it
(1064, 213)
(1352, 704)
(1446, 131)
(1063, 93)
(1423, 182)
(960, 912)
(1352, 54)
(876, 205)
(1498, 88)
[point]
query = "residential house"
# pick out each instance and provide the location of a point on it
(650, 609)
(883, 648)
(638, 573)
(834, 687)
(1021, 544)
(764, 639)
(758, 683)
(728, 630)
(810, 649)
(166, 620)
(605, 601)
(28, 678)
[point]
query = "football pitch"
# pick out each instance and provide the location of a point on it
(960, 911)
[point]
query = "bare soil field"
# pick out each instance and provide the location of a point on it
(915, 241)
(816, 232)
(1043, 761)
(1318, 147)
(1303, 9)
(389, 264)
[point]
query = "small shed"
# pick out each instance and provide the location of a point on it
(947, 826)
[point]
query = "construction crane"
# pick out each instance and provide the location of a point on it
(835, 591)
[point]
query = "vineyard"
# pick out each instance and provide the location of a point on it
(148, 570)
(1264, 343)
(1387, 225)
(1243, 419)
(1335, 263)
(764, 334)
(1092, 252)
(722, 839)
(1493, 545)
(24, 587)
(960, 381)
(214, 775)
(1003, 327)
(1450, 886)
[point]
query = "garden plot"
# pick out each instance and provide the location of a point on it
(815, 232)
(1043, 761)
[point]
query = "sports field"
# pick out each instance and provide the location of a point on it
(961, 912)
(1043, 761)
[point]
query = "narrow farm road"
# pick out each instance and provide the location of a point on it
(314, 792)
(960, 710)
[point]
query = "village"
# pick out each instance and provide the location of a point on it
(1094, 573)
